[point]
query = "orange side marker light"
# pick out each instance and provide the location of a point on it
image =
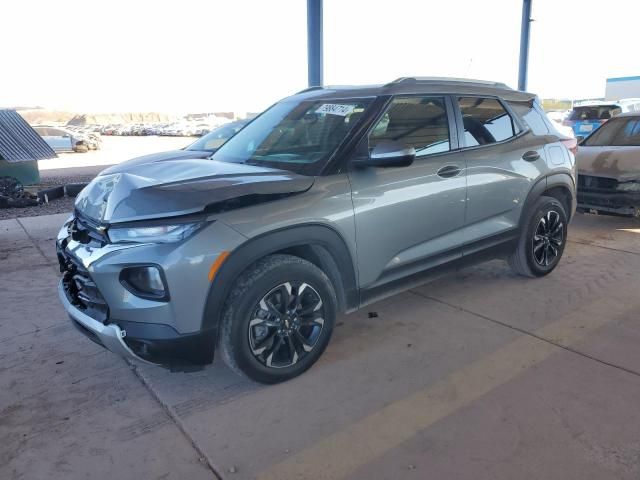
(217, 264)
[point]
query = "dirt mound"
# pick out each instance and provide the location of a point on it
(53, 117)
(46, 117)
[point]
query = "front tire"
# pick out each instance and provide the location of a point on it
(278, 319)
(542, 240)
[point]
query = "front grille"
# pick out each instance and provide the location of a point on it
(589, 182)
(80, 289)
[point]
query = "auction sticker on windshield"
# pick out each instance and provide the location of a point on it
(336, 109)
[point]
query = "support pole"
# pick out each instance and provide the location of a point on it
(524, 44)
(314, 42)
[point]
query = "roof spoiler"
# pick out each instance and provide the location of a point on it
(310, 89)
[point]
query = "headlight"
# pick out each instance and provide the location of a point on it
(156, 234)
(632, 186)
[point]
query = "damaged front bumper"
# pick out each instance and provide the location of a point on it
(110, 336)
(169, 332)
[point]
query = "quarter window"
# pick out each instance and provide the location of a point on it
(485, 121)
(418, 122)
(532, 115)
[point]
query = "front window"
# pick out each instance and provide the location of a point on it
(294, 135)
(619, 132)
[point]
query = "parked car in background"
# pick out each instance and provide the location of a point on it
(609, 167)
(202, 148)
(89, 133)
(94, 140)
(558, 118)
(63, 140)
(328, 201)
(213, 140)
(587, 117)
(202, 129)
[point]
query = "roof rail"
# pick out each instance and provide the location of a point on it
(445, 80)
(310, 89)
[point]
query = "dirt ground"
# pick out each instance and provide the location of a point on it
(478, 375)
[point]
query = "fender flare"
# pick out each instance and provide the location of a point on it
(562, 180)
(329, 249)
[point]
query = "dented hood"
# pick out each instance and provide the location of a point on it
(621, 163)
(180, 187)
(156, 157)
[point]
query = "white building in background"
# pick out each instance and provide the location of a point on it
(622, 87)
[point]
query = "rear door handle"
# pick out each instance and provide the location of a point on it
(531, 156)
(448, 171)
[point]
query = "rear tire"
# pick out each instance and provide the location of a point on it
(278, 319)
(542, 240)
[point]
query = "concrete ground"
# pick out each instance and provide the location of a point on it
(480, 375)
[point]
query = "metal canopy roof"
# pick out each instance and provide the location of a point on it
(19, 142)
(315, 48)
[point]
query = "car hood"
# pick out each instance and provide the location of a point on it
(621, 163)
(156, 157)
(181, 187)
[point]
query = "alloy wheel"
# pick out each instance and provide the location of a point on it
(548, 238)
(286, 324)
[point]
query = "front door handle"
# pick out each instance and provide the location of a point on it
(531, 156)
(448, 171)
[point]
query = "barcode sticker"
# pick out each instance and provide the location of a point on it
(336, 109)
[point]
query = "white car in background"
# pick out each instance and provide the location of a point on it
(558, 117)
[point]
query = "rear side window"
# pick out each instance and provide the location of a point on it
(418, 122)
(532, 116)
(485, 121)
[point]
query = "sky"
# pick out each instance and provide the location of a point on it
(243, 55)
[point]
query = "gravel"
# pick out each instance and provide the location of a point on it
(60, 205)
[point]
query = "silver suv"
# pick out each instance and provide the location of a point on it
(331, 199)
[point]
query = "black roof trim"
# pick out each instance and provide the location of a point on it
(445, 81)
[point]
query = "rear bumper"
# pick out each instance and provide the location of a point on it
(620, 203)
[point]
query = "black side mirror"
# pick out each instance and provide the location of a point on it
(389, 153)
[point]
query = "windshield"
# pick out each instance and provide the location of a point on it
(619, 132)
(594, 112)
(293, 135)
(216, 137)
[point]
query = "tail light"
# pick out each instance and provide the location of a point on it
(571, 144)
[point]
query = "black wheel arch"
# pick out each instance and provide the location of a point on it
(557, 185)
(319, 244)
